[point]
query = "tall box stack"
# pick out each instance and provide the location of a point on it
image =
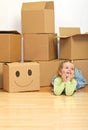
(10, 49)
(74, 46)
(40, 40)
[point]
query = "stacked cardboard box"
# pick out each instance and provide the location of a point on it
(40, 40)
(74, 46)
(10, 49)
(14, 75)
(1, 75)
(10, 46)
(40, 45)
(38, 17)
(38, 31)
(19, 77)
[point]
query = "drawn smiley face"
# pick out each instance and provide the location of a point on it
(20, 77)
(23, 79)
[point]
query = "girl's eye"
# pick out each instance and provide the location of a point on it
(17, 73)
(66, 67)
(29, 72)
(72, 68)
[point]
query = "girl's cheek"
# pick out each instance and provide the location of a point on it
(72, 72)
(63, 72)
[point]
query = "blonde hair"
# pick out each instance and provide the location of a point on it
(61, 64)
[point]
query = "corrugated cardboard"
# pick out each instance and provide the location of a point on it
(67, 32)
(1, 75)
(38, 17)
(48, 69)
(18, 77)
(10, 46)
(73, 45)
(83, 66)
(40, 47)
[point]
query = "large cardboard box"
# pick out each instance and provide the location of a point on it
(1, 75)
(18, 77)
(73, 45)
(48, 69)
(10, 46)
(40, 47)
(83, 66)
(38, 17)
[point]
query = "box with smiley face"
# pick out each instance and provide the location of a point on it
(18, 77)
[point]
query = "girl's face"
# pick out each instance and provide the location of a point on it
(68, 69)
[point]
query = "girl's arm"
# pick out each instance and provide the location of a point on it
(58, 86)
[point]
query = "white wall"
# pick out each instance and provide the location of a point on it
(67, 13)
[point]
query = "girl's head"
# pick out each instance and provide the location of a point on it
(66, 67)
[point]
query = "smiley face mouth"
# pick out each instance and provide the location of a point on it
(26, 85)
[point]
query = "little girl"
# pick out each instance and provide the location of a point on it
(65, 81)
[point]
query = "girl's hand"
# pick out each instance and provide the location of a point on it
(66, 77)
(72, 75)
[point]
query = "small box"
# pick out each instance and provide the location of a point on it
(40, 47)
(48, 69)
(38, 17)
(10, 46)
(18, 77)
(73, 45)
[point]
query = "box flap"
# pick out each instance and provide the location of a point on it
(38, 5)
(9, 64)
(9, 32)
(68, 31)
(49, 5)
(82, 36)
(12, 64)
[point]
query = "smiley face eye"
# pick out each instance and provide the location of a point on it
(17, 73)
(29, 72)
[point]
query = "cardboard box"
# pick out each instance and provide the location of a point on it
(1, 75)
(83, 66)
(18, 77)
(40, 47)
(10, 46)
(38, 17)
(73, 45)
(48, 69)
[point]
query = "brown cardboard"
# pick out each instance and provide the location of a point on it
(18, 77)
(40, 47)
(74, 45)
(48, 69)
(1, 75)
(83, 66)
(38, 17)
(10, 46)
(67, 32)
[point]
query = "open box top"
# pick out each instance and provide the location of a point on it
(38, 5)
(65, 32)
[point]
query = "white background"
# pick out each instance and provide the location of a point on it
(68, 13)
